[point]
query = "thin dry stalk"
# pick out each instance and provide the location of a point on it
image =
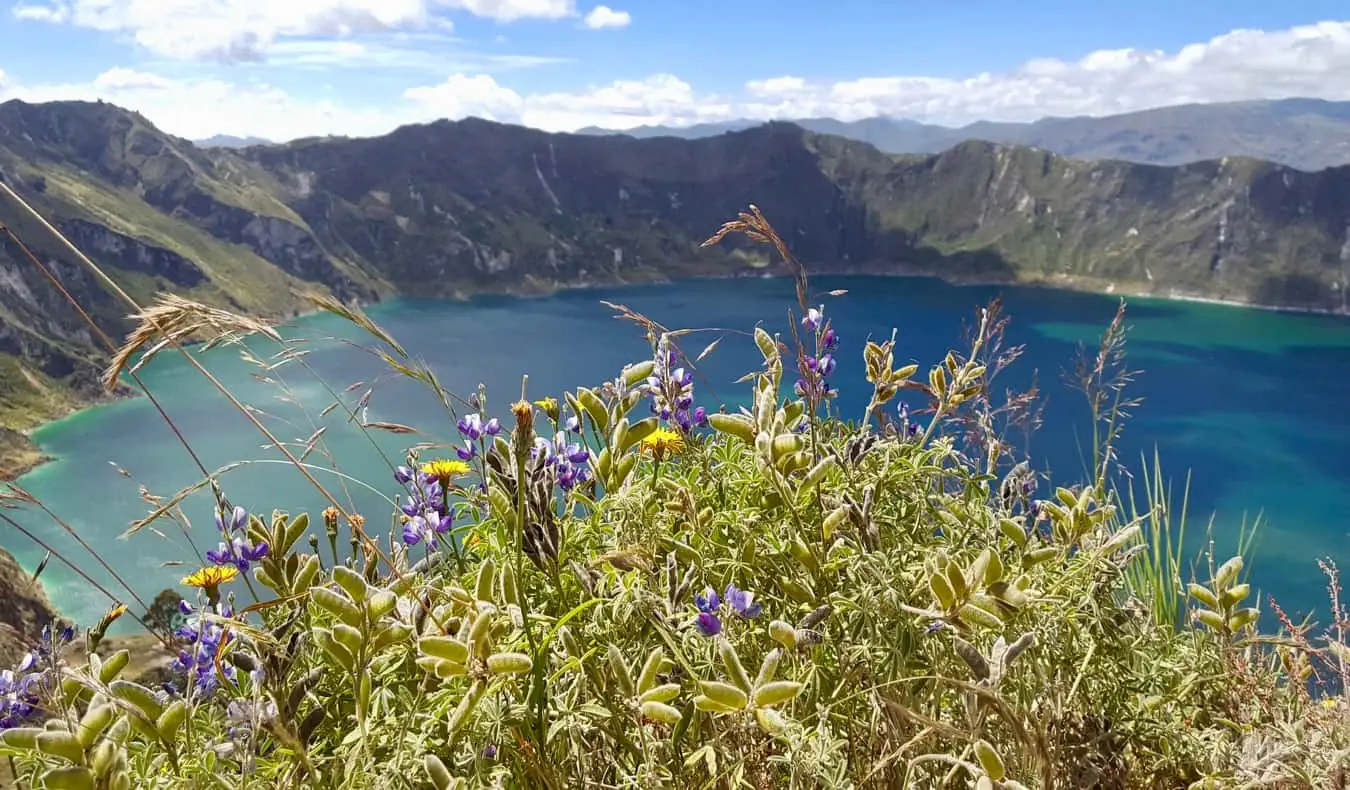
(173, 320)
(370, 544)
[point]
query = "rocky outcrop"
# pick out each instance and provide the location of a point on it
(24, 610)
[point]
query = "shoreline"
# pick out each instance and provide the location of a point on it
(36, 458)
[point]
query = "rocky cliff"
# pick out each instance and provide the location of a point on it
(457, 208)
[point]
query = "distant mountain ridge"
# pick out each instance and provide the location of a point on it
(1307, 134)
(455, 208)
(230, 141)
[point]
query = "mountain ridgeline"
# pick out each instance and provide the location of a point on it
(452, 209)
(1308, 134)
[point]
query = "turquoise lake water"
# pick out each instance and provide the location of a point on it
(1251, 402)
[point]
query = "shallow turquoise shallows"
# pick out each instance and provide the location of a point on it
(1252, 403)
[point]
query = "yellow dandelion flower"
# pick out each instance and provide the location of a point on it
(550, 407)
(211, 578)
(445, 470)
(115, 612)
(662, 443)
(1329, 702)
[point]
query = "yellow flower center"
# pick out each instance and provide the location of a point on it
(445, 470)
(212, 577)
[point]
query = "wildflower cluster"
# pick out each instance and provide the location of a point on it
(671, 390)
(567, 457)
(201, 660)
(426, 513)
(235, 548)
(816, 369)
(24, 688)
(709, 620)
(473, 429)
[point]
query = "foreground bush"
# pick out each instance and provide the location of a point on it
(627, 589)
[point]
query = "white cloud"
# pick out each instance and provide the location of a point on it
(244, 30)
(511, 10)
(1313, 61)
(602, 16)
(623, 104)
(1310, 60)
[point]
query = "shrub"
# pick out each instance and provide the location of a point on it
(584, 595)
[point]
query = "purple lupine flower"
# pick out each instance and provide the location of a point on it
(237, 552)
(573, 424)
(471, 426)
(198, 662)
(234, 520)
(830, 340)
(467, 452)
(812, 319)
(426, 526)
(707, 601)
(493, 427)
(708, 624)
(236, 549)
(403, 475)
(743, 602)
(490, 752)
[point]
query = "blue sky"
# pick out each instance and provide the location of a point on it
(284, 68)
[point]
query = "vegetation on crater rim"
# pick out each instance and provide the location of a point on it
(581, 594)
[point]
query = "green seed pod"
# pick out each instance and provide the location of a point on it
(777, 693)
(619, 666)
(171, 719)
(20, 737)
(339, 605)
(1203, 595)
(465, 707)
(710, 705)
(769, 667)
(989, 760)
(1243, 618)
(657, 711)
(796, 591)
(818, 472)
(101, 759)
(335, 650)
(1013, 532)
(733, 425)
(509, 664)
(113, 666)
(784, 634)
(724, 694)
(70, 778)
(137, 695)
(647, 678)
(445, 647)
(480, 637)
(61, 744)
(1234, 595)
(732, 662)
(981, 617)
(437, 772)
(94, 722)
(1212, 619)
(834, 521)
(510, 593)
(662, 693)
(770, 720)
(487, 575)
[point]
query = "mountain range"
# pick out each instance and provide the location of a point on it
(1308, 134)
(456, 208)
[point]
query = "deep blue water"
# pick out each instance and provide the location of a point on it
(1249, 402)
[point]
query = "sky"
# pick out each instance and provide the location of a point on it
(282, 69)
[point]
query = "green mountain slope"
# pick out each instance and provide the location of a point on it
(457, 208)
